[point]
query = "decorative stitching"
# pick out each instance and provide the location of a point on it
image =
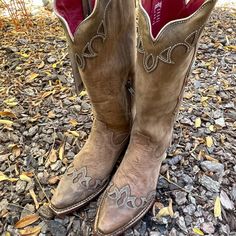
(80, 176)
(150, 62)
(123, 197)
(88, 51)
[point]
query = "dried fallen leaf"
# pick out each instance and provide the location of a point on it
(74, 133)
(198, 122)
(25, 178)
(217, 207)
(32, 76)
(61, 151)
(11, 102)
(212, 128)
(3, 177)
(209, 141)
(51, 114)
(27, 220)
(6, 122)
(209, 158)
(53, 156)
(73, 122)
(33, 195)
(166, 211)
(16, 150)
(197, 231)
(7, 114)
(83, 93)
(30, 231)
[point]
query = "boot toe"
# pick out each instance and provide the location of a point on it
(116, 214)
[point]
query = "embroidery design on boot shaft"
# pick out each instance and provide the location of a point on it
(80, 176)
(124, 198)
(150, 62)
(88, 51)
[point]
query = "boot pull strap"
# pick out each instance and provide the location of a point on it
(87, 7)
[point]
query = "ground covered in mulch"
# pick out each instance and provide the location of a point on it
(43, 124)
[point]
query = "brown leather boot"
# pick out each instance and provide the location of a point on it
(103, 45)
(165, 57)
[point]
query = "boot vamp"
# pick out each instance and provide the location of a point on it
(91, 167)
(132, 190)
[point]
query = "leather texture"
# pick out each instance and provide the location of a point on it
(104, 50)
(163, 65)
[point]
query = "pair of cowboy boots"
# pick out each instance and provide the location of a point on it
(102, 39)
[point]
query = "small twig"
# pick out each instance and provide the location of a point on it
(175, 184)
(41, 187)
(15, 205)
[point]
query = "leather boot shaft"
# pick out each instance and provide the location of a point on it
(103, 54)
(163, 66)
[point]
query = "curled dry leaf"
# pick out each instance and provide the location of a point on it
(166, 211)
(30, 231)
(27, 220)
(33, 195)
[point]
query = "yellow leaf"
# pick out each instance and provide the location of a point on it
(54, 65)
(32, 77)
(30, 231)
(197, 231)
(7, 234)
(7, 114)
(24, 55)
(83, 93)
(198, 122)
(73, 122)
(211, 128)
(209, 141)
(217, 207)
(6, 122)
(53, 156)
(3, 177)
(74, 133)
(25, 178)
(204, 99)
(33, 195)
(11, 102)
(166, 211)
(27, 220)
(61, 151)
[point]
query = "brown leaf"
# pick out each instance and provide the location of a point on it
(53, 180)
(27, 220)
(7, 114)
